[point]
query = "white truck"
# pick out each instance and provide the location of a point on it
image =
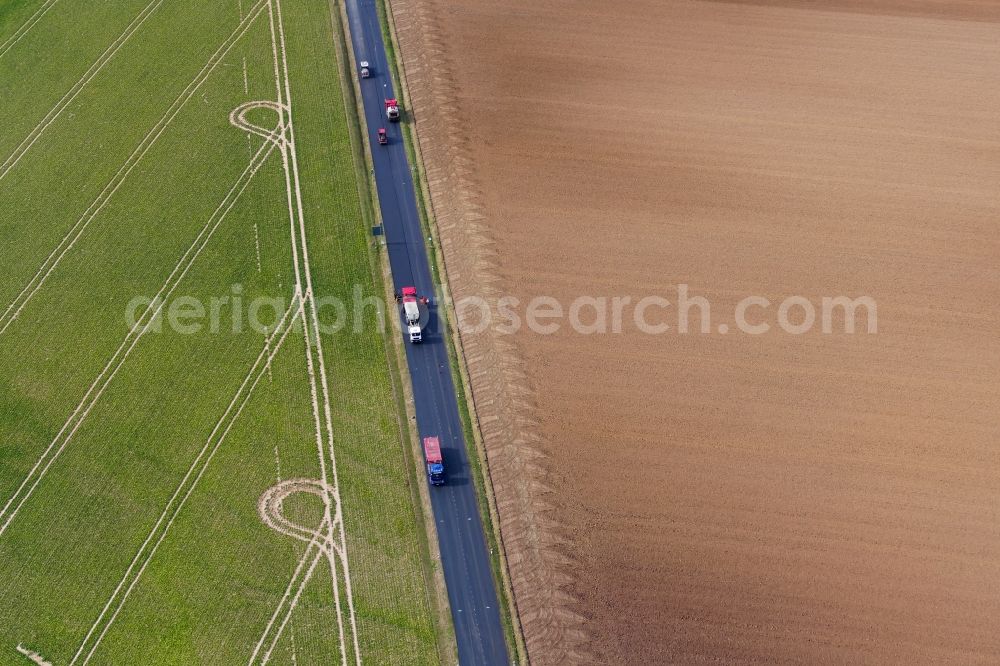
(392, 109)
(411, 313)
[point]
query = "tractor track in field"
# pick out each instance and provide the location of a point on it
(15, 308)
(237, 118)
(271, 510)
(271, 507)
(188, 484)
(316, 365)
(26, 27)
(135, 334)
(77, 88)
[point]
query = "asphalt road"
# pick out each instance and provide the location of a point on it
(464, 553)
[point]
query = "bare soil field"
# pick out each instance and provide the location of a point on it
(694, 498)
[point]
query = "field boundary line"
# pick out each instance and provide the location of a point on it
(245, 391)
(77, 88)
(74, 234)
(121, 355)
(26, 27)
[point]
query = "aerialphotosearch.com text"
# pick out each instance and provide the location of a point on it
(676, 311)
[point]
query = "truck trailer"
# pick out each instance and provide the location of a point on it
(435, 463)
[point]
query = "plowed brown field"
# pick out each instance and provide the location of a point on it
(695, 498)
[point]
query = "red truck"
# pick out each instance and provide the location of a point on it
(411, 311)
(392, 109)
(435, 463)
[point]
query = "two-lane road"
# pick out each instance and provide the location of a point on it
(464, 554)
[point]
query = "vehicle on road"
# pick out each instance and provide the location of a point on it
(435, 463)
(411, 312)
(392, 109)
(365, 69)
(383, 138)
(465, 557)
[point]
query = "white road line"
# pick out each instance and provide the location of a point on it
(94, 393)
(74, 234)
(26, 27)
(205, 456)
(77, 88)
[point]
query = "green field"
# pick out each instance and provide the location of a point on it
(134, 455)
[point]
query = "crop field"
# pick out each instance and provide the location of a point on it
(718, 495)
(196, 493)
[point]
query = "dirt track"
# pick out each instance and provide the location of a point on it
(805, 499)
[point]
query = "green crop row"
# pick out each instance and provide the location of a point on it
(130, 474)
